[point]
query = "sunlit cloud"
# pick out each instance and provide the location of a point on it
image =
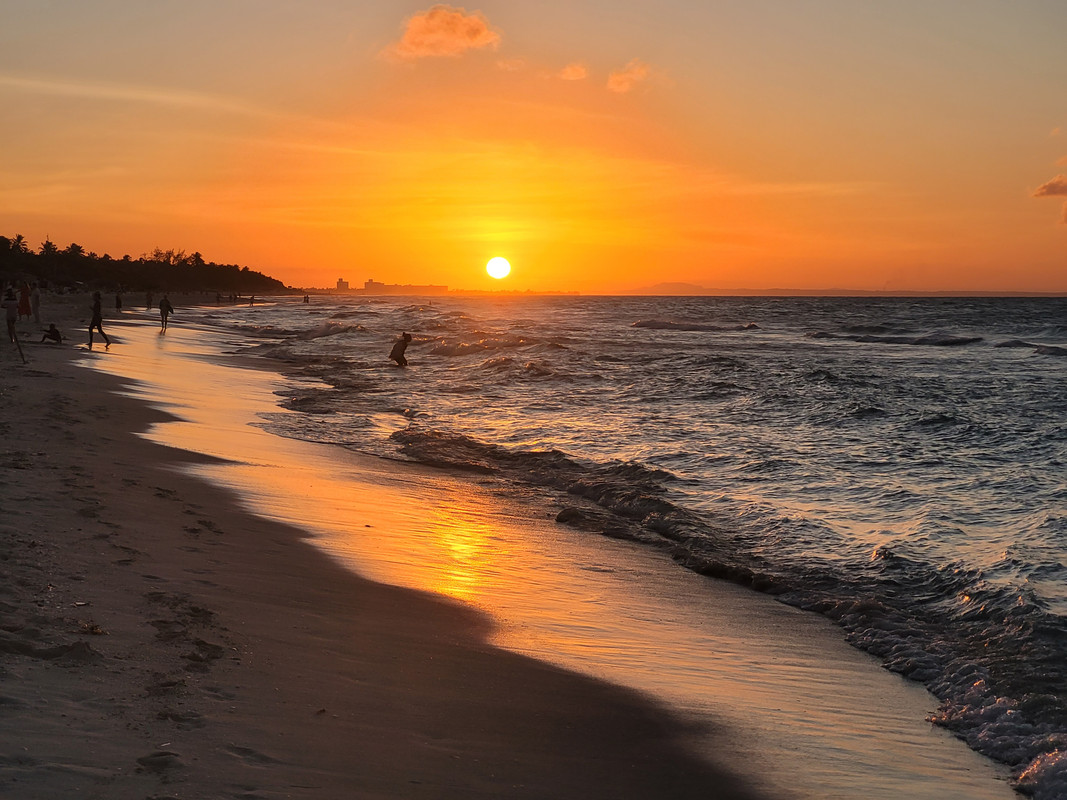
(574, 72)
(129, 94)
(623, 80)
(510, 64)
(1057, 187)
(1055, 132)
(443, 31)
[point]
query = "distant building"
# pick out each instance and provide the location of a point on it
(342, 285)
(374, 287)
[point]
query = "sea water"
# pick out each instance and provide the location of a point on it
(895, 465)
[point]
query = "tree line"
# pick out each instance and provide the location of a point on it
(72, 267)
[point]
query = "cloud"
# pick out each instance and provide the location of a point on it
(510, 64)
(443, 31)
(623, 80)
(1057, 187)
(129, 94)
(574, 72)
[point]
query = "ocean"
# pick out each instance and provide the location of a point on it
(896, 465)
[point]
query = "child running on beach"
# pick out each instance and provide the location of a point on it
(97, 322)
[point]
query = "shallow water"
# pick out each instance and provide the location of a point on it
(803, 713)
(896, 465)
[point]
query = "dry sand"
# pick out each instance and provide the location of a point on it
(158, 642)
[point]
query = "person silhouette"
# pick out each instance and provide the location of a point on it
(397, 353)
(25, 307)
(52, 335)
(165, 310)
(10, 304)
(97, 322)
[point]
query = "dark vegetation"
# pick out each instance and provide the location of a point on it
(161, 270)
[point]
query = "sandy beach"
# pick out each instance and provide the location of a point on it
(197, 607)
(159, 642)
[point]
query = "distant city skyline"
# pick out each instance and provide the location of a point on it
(598, 147)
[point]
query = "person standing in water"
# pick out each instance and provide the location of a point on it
(97, 322)
(165, 310)
(397, 353)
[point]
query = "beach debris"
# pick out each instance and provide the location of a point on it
(91, 628)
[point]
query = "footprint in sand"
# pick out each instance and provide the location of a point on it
(249, 756)
(161, 761)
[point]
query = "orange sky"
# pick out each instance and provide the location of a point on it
(605, 147)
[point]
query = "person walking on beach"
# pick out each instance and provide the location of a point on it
(118, 302)
(397, 353)
(97, 322)
(11, 308)
(24, 302)
(35, 302)
(165, 310)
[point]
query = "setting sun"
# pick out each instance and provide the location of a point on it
(498, 267)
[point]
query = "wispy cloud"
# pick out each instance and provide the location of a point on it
(1057, 187)
(129, 94)
(623, 80)
(574, 72)
(443, 31)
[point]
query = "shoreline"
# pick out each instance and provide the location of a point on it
(160, 641)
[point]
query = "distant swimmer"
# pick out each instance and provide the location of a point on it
(397, 353)
(165, 310)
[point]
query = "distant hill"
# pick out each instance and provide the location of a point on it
(674, 289)
(161, 270)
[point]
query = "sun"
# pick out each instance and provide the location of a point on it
(498, 267)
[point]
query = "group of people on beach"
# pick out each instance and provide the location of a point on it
(96, 321)
(29, 304)
(23, 301)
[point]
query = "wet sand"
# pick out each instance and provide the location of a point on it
(229, 658)
(158, 641)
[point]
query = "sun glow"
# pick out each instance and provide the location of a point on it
(498, 267)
